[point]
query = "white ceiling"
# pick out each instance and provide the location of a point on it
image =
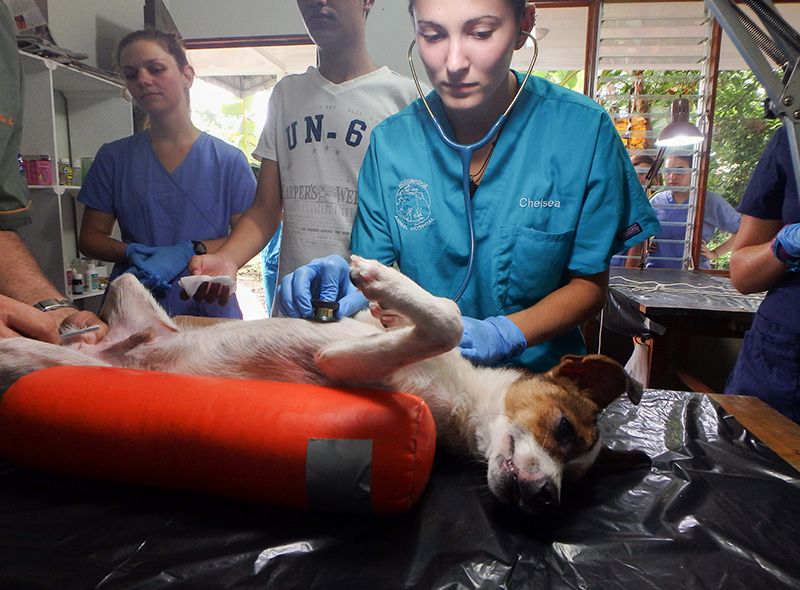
(562, 33)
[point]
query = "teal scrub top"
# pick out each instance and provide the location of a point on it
(559, 197)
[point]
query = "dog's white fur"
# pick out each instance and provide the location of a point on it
(534, 431)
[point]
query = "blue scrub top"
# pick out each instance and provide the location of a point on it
(158, 208)
(772, 194)
(558, 198)
(669, 243)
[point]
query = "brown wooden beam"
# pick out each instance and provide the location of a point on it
(705, 151)
(592, 43)
(257, 41)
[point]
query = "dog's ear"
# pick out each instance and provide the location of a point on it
(129, 308)
(601, 378)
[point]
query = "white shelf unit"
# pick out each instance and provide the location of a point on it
(68, 113)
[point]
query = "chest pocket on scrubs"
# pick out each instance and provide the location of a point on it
(530, 264)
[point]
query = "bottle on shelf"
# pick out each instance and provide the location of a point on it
(77, 284)
(91, 281)
(64, 172)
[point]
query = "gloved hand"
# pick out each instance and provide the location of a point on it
(151, 282)
(786, 246)
(159, 264)
(326, 278)
(490, 341)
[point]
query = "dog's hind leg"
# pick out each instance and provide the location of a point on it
(20, 356)
(435, 328)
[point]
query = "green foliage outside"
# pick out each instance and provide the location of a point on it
(740, 132)
(572, 79)
(245, 135)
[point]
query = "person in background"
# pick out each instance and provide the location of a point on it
(642, 164)
(29, 304)
(174, 190)
(312, 145)
(553, 194)
(766, 257)
(671, 205)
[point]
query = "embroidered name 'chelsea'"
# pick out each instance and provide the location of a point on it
(413, 205)
(527, 203)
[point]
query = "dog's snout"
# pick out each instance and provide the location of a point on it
(538, 496)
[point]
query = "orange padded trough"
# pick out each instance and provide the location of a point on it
(286, 444)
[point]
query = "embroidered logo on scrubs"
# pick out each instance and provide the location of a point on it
(629, 232)
(413, 205)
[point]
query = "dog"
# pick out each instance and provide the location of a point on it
(534, 431)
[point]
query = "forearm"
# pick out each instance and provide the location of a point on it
(22, 279)
(250, 234)
(726, 246)
(564, 309)
(755, 268)
(101, 246)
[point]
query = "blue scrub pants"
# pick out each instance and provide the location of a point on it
(768, 367)
(270, 256)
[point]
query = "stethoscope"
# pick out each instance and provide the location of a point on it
(466, 151)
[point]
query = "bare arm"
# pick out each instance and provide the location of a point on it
(21, 285)
(563, 309)
(21, 279)
(256, 226)
(754, 267)
(95, 239)
(721, 249)
(634, 259)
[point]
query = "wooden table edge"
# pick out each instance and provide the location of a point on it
(770, 426)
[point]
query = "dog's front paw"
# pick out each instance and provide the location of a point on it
(376, 281)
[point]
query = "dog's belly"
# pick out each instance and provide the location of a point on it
(276, 349)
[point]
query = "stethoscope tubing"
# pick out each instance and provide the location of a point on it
(465, 151)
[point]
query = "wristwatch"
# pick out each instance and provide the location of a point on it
(51, 304)
(199, 248)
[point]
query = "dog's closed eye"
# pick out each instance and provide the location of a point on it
(565, 432)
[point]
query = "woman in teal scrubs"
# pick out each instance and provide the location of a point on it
(554, 195)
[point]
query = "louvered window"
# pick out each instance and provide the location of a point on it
(643, 65)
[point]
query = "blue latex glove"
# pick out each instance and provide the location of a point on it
(490, 341)
(159, 264)
(154, 284)
(326, 278)
(787, 246)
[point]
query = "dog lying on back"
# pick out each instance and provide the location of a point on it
(534, 431)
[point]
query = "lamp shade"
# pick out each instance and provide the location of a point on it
(680, 131)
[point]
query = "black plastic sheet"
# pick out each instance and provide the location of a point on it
(714, 509)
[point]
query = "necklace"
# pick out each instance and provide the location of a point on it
(474, 179)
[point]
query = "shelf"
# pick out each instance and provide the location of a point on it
(59, 189)
(87, 295)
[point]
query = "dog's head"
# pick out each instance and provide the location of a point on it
(548, 433)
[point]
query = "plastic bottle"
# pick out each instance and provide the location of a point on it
(91, 281)
(77, 284)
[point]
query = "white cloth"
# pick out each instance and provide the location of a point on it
(318, 132)
(191, 283)
(638, 366)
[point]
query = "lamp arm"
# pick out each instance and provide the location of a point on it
(654, 168)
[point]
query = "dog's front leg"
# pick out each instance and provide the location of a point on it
(436, 328)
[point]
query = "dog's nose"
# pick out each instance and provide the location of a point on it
(537, 497)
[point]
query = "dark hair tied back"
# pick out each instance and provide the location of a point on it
(170, 42)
